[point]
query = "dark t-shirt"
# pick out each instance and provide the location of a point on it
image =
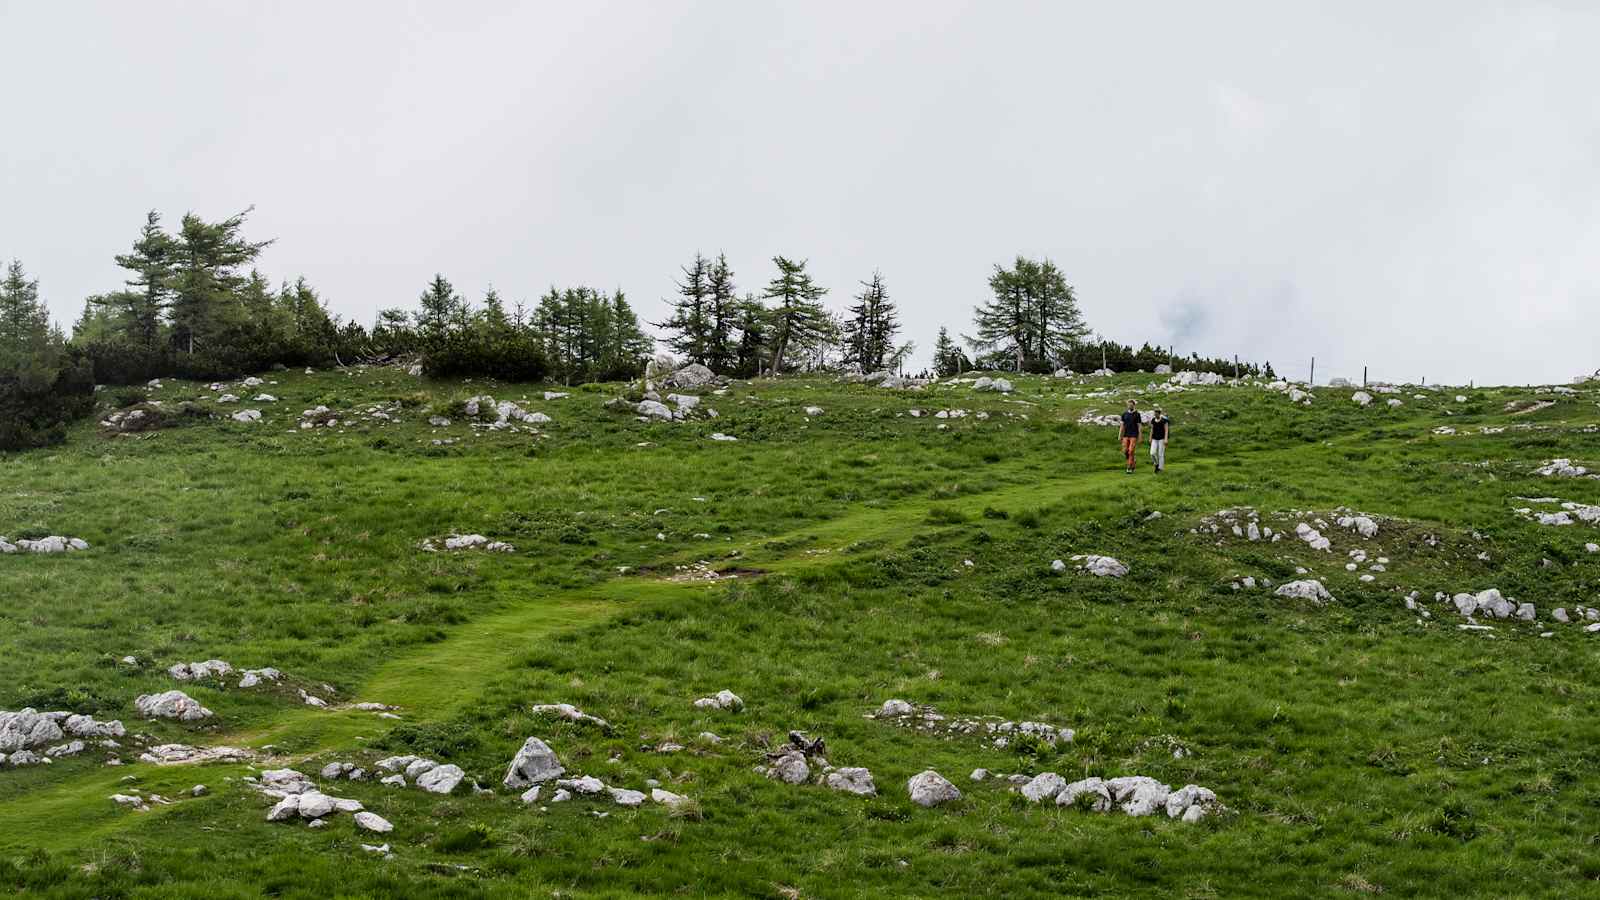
(1130, 424)
(1158, 428)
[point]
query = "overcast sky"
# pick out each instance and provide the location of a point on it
(1411, 186)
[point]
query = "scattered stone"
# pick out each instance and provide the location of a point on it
(441, 780)
(1307, 589)
(790, 768)
(247, 416)
(852, 780)
(929, 788)
(569, 712)
(1101, 566)
(368, 821)
(724, 699)
(1044, 786)
(535, 763)
(211, 668)
(171, 705)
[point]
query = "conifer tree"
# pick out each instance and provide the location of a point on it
(948, 357)
(151, 262)
(797, 318)
(723, 311)
(870, 329)
(691, 324)
(206, 278)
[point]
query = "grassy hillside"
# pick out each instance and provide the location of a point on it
(866, 554)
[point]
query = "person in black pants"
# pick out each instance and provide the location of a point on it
(1160, 425)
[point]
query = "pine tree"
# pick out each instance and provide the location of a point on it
(948, 357)
(439, 309)
(493, 315)
(206, 278)
(1032, 315)
(753, 321)
(721, 354)
(798, 319)
(871, 327)
(28, 344)
(152, 262)
(691, 324)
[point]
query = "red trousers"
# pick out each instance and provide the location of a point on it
(1130, 446)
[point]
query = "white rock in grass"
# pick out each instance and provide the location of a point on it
(1361, 398)
(1058, 566)
(211, 668)
(667, 798)
(535, 763)
(419, 766)
(315, 805)
(1044, 786)
(395, 763)
(1592, 547)
(852, 780)
(1305, 589)
(1103, 566)
(1096, 795)
(287, 808)
(569, 712)
(1191, 803)
(1560, 615)
(626, 797)
(1139, 795)
(813, 410)
(368, 821)
(531, 795)
(1495, 604)
(393, 780)
(790, 768)
(724, 699)
(441, 780)
(171, 705)
(26, 728)
(247, 416)
(929, 788)
(588, 785)
(654, 409)
(894, 709)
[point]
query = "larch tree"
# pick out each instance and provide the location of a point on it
(798, 320)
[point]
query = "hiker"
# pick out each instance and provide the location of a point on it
(1130, 434)
(1160, 425)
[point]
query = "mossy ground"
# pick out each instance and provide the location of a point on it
(1359, 747)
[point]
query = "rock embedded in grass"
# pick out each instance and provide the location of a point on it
(1305, 589)
(1101, 566)
(570, 713)
(1044, 786)
(55, 543)
(171, 705)
(724, 699)
(534, 763)
(211, 668)
(369, 821)
(441, 779)
(929, 788)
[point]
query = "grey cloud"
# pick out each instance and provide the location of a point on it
(1422, 174)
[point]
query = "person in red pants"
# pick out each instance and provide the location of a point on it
(1131, 425)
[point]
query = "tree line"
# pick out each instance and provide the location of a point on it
(194, 305)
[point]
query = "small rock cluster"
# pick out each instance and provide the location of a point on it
(1001, 732)
(171, 705)
(1563, 468)
(52, 544)
(457, 542)
(27, 730)
(425, 773)
(793, 765)
(1098, 566)
(299, 798)
(998, 385)
(1135, 795)
(503, 413)
(1305, 589)
(723, 699)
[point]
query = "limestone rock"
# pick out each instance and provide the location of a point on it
(852, 780)
(1044, 786)
(171, 705)
(441, 780)
(535, 763)
(1305, 589)
(368, 821)
(929, 788)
